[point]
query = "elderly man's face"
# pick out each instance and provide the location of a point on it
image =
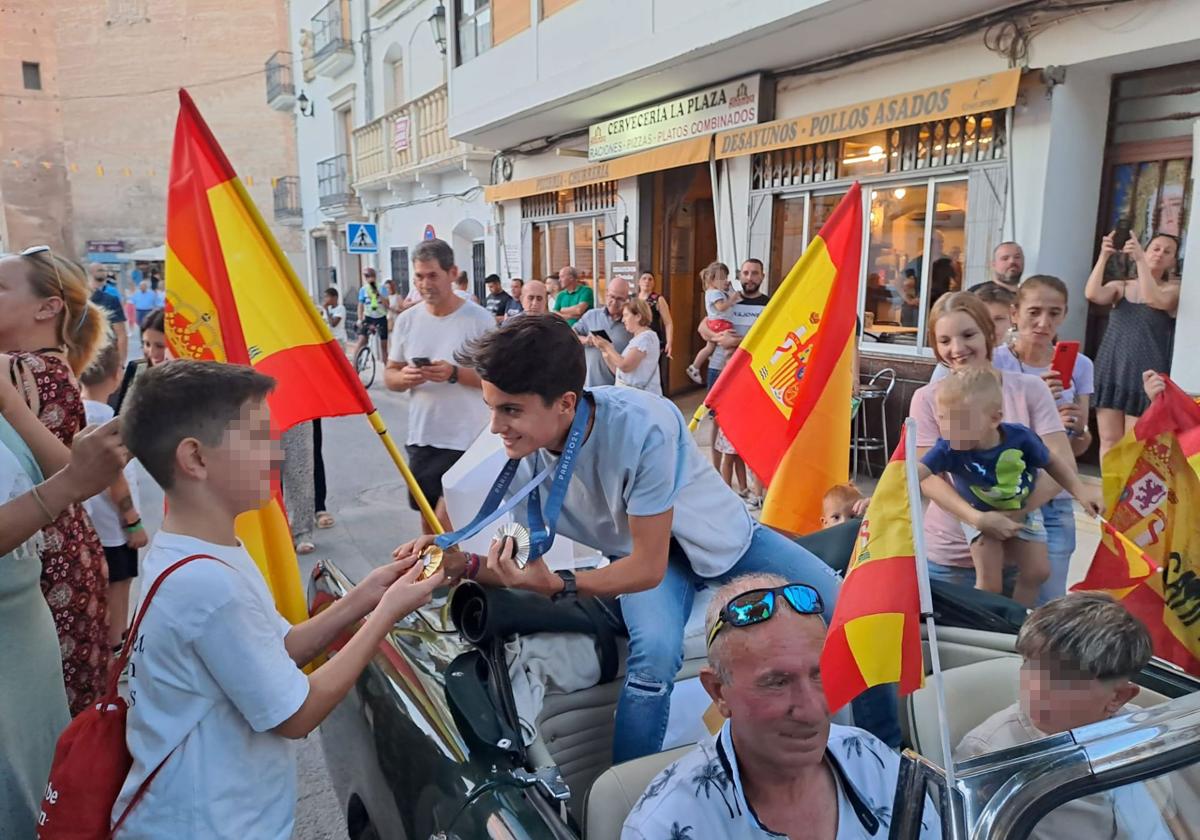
(533, 298)
(1058, 697)
(615, 297)
(773, 697)
(567, 278)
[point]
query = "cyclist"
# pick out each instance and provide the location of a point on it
(372, 314)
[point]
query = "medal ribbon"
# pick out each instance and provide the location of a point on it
(542, 536)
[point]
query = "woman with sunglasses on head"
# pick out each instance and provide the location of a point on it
(52, 332)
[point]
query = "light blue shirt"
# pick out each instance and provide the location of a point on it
(145, 300)
(640, 460)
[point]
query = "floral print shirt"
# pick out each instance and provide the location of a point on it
(700, 796)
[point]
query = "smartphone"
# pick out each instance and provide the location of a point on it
(1065, 353)
(602, 334)
(132, 371)
(1121, 236)
(420, 361)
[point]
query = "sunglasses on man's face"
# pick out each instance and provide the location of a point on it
(758, 605)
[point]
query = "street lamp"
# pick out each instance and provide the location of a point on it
(306, 106)
(437, 21)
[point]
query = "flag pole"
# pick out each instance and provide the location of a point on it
(917, 513)
(701, 413)
(373, 415)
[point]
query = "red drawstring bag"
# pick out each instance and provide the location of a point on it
(91, 759)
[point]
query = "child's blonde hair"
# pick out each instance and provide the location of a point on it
(711, 272)
(842, 494)
(980, 386)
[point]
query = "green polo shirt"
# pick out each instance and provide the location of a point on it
(582, 294)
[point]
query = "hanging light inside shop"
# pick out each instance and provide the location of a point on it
(899, 192)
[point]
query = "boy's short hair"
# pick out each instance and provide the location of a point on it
(185, 399)
(104, 367)
(1088, 633)
(993, 292)
(332, 292)
(978, 385)
(842, 494)
(533, 354)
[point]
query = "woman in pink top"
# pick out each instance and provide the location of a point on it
(962, 335)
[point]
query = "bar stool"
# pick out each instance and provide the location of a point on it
(874, 391)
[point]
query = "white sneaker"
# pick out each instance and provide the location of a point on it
(693, 373)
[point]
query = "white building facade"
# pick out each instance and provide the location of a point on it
(727, 130)
(371, 103)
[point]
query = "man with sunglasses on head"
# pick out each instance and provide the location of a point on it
(778, 767)
(618, 471)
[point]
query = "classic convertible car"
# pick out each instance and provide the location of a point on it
(431, 742)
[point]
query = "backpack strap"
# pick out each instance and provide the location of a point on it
(123, 660)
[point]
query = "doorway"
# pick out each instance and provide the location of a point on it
(683, 239)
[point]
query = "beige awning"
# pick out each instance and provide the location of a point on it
(970, 96)
(654, 160)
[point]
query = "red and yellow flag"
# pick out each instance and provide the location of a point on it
(875, 635)
(1149, 554)
(233, 297)
(783, 399)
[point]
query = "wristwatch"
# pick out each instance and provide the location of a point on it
(453, 374)
(569, 589)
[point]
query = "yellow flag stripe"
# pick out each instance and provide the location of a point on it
(878, 660)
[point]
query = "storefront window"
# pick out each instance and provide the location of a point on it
(895, 261)
(574, 242)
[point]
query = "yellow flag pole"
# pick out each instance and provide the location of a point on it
(700, 414)
(373, 417)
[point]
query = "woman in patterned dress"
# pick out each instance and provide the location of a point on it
(52, 332)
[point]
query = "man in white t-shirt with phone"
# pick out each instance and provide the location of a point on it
(446, 413)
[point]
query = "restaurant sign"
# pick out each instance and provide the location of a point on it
(696, 114)
(971, 96)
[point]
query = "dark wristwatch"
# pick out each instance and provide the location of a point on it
(569, 589)
(453, 374)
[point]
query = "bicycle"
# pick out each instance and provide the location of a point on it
(365, 358)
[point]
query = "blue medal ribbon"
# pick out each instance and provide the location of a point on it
(542, 529)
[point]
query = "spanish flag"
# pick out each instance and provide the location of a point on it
(1149, 553)
(233, 297)
(875, 635)
(783, 399)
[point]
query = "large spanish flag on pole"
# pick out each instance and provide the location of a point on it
(232, 297)
(1149, 553)
(783, 399)
(875, 635)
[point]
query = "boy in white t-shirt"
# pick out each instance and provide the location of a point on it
(114, 513)
(335, 315)
(215, 688)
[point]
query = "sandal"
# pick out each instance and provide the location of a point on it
(324, 519)
(305, 547)
(693, 373)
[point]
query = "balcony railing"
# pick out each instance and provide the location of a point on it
(288, 209)
(281, 91)
(406, 139)
(333, 181)
(332, 50)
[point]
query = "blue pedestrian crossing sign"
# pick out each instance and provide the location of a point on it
(361, 238)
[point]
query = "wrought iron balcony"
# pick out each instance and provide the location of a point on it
(333, 53)
(333, 184)
(281, 92)
(288, 209)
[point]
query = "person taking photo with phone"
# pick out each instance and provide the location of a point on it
(446, 413)
(1141, 326)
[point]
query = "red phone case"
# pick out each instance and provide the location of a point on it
(1065, 353)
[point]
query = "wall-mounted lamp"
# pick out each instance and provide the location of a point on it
(306, 105)
(437, 21)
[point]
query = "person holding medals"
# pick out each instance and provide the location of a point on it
(619, 472)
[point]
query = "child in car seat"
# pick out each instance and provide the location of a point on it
(842, 502)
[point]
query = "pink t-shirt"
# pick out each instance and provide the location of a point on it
(1028, 401)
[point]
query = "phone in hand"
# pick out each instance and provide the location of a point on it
(602, 334)
(133, 370)
(1065, 354)
(1121, 235)
(420, 361)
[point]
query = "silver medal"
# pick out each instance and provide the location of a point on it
(520, 535)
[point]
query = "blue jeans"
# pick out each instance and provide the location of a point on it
(965, 576)
(656, 620)
(1059, 516)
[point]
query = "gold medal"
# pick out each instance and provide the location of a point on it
(431, 559)
(521, 539)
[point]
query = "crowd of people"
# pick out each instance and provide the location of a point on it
(570, 386)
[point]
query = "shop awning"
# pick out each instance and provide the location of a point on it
(970, 96)
(654, 160)
(156, 254)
